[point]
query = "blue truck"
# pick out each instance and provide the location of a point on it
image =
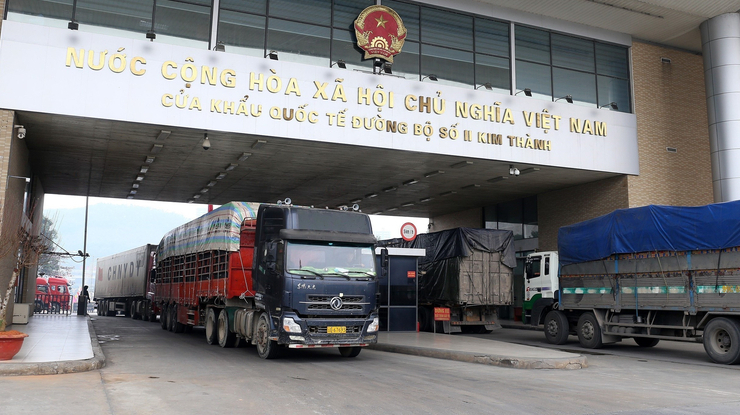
(650, 273)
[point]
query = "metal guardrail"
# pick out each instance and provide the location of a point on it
(52, 304)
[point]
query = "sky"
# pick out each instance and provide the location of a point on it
(117, 225)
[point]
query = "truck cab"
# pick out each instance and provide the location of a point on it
(541, 285)
(315, 277)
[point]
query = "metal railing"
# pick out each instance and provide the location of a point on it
(52, 304)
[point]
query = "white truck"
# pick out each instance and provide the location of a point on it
(651, 273)
(123, 283)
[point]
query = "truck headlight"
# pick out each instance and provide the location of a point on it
(373, 326)
(290, 326)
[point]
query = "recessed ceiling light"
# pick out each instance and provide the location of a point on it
(156, 148)
(196, 196)
(149, 160)
(204, 190)
(259, 143)
(135, 185)
(433, 173)
(390, 189)
(355, 201)
(139, 178)
(244, 156)
(461, 164)
(426, 199)
(221, 175)
(407, 204)
(211, 183)
(447, 193)
(392, 209)
(410, 182)
(371, 195)
(144, 169)
(471, 186)
(163, 134)
(231, 167)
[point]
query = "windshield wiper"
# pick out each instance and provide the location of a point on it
(306, 270)
(340, 274)
(369, 274)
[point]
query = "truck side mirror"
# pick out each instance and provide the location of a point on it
(384, 262)
(270, 255)
(528, 269)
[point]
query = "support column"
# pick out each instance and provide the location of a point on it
(720, 38)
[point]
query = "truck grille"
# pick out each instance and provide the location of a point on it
(323, 302)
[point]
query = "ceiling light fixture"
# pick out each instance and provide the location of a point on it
(451, 192)
(135, 185)
(149, 160)
(407, 204)
(244, 156)
(144, 169)
(487, 85)
(461, 164)
(340, 63)
(211, 183)
(206, 143)
(272, 55)
(498, 179)
(431, 77)
(163, 134)
(139, 178)
(355, 201)
(567, 98)
(231, 167)
(527, 92)
(410, 182)
(433, 173)
(196, 196)
(221, 175)
(371, 195)
(391, 209)
(204, 190)
(258, 144)
(390, 189)
(426, 199)
(470, 186)
(156, 148)
(529, 170)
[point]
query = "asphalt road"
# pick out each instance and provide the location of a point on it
(152, 371)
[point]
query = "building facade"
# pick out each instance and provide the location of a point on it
(493, 114)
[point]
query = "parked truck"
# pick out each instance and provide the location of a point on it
(466, 271)
(275, 275)
(124, 284)
(52, 295)
(650, 273)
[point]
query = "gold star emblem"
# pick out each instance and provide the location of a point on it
(381, 22)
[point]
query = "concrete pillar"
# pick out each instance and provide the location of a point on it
(721, 49)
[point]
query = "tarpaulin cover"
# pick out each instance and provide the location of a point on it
(440, 269)
(651, 228)
(216, 230)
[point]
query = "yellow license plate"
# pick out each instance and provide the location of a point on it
(336, 329)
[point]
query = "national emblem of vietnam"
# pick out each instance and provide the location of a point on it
(380, 32)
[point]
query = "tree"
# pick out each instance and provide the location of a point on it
(50, 264)
(20, 240)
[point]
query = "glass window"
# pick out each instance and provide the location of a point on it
(409, 15)
(308, 11)
(614, 90)
(580, 85)
(612, 60)
(452, 67)
(492, 37)
(299, 42)
(41, 11)
(346, 11)
(532, 44)
(493, 70)
(328, 259)
(344, 47)
(444, 28)
(406, 63)
(183, 20)
(243, 33)
(135, 15)
(535, 77)
(251, 6)
(571, 52)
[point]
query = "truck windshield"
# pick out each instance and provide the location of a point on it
(305, 258)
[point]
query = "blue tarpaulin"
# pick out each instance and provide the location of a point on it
(651, 228)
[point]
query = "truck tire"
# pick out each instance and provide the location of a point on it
(212, 325)
(226, 337)
(266, 348)
(646, 341)
(722, 340)
(350, 351)
(557, 327)
(55, 307)
(589, 331)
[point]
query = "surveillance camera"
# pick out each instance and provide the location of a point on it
(21, 132)
(206, 145)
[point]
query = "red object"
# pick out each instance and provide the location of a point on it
(411, 274)
(52, 294)
(380, 32)
(408, 231)
(210, 208)
(441, 314)
(187, 279)
(10, 344)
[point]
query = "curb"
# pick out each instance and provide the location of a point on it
(60, 367)
(521, 327)
(573, 363)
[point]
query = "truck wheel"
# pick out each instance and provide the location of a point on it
(211, 326)
(557, 327)
(226, 337)
(266, 348)
(589, 332)
(426, 319)
(38, 306)
(152, 315)
(722, 340)
(55, 307)
(646, 342)
(350, 351)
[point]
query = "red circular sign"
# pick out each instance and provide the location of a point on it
(408, 231)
